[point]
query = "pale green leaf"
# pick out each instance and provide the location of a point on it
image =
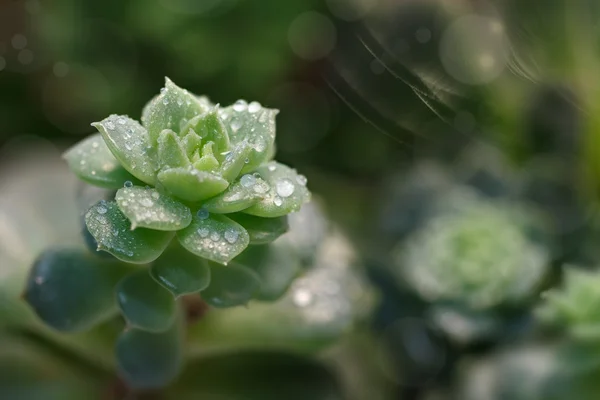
(211, 129)
(235, 160)
(171, 153)
(170, 109)
(238, 196)
(147, 208)
(189, 184)
(129, 143)
(92, 161)
(287, 191)
(214, 237)
(254, 124)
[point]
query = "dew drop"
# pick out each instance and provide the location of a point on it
(203, 232)
(215, 236)
(254, 107)
(247, 160)
(121, 121)
(235, 125)
(202, 213)
(272, 168)
(146, 202)
(260, 145)
(240, 106)
(248, 180)
(163, 90)
(101, 210)
(284, 187)
(155, 195)
(277, 201)
(301, 179)
(302, 297)
(231, 235)
(110, 125)
(165, 101)
(128, 184)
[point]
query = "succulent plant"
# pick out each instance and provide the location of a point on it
(474, 252)
(194, 171)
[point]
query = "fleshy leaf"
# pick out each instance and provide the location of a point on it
(92, 161)
(149, 360)
(235, 160)
(147, 208)
(144, 303)
(238, 196)
(171, 154)
(261, 230)
(275, 264)
(210, 128)
(129, 143)
(230, 285)
(287, 191)
(170, 108)
(254, 124)
(71, 290)
(214, 237)
(111, 229)
(207, 162)
(180, 271)
(191, 143)
(189, 184)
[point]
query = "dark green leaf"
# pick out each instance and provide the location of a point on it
(276, 264)
(262, 230)
(230, 286)
(149, 360)
(147, 208)
(111, 230)
(144, 303)
(92, 161)
(180, 271)
(71, 290)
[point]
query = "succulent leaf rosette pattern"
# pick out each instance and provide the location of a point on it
(186, 168)
(192, 187)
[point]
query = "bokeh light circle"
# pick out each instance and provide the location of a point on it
(312, 35)
(474, 49)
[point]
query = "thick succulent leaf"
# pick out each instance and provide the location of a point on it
(111, 230)
(254, 124)
(287, 191)
(276, 265)
(191, 143)
(71, 290)
(261, 230)
(235, 160)
(170, 108)
(211, 129)
(147, 208)
(171, 153)
(144, 303)
(214, 237)
(207, 161)
(149, 360)
(230, 286)
(189, 184)
(92, 161)
(238, 196)
(129, 143)
(180, 271)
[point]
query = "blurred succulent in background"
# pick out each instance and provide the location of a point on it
(473, 252)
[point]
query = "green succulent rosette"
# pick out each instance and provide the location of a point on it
(191, 188)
